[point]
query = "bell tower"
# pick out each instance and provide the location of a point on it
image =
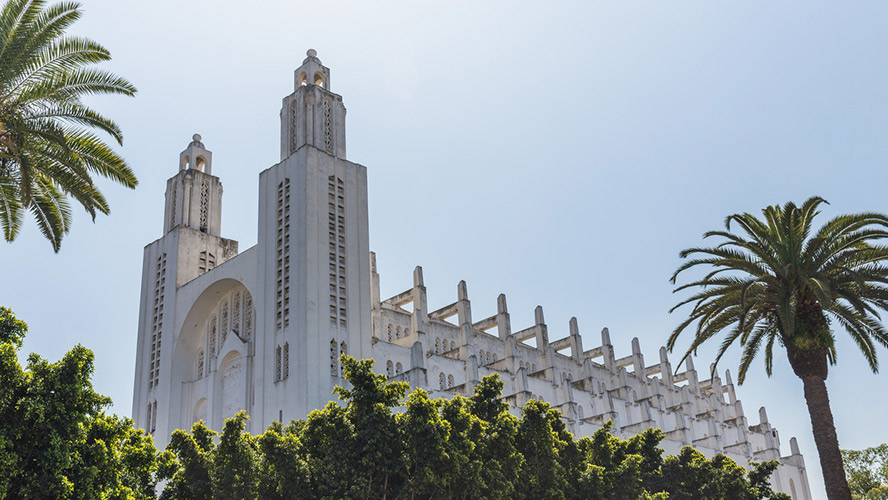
(313, 235)
(312, 114)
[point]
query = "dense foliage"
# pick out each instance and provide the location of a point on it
(867, 472)
(458, 448)
(55, 440)
(48, 151)
(776, 281)
(57, 443)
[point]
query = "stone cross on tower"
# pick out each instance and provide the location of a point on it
(312, 114)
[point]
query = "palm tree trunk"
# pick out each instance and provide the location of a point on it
(825, 438)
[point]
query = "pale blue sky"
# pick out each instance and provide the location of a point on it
(561, 153)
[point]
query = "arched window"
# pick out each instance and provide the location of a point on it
(399, 369)
(442, 380)
(533, 368)
(449, 381)
(521, 364)
(286, 359)
(390, 338)
(302, 80)
(481, 357)
(488, 357)
(494, 357)
(398, 332)
(277, 363)
(389, 368)
(334, 361)
(437, 345)
(452, 345)
(319, 78)
(563, 377)
(406, 332)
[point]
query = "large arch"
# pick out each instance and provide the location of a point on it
(215, 334)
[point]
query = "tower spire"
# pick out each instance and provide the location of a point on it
(312, 115)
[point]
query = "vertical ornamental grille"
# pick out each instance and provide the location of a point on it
(282, 295)
(293, 127)
(277, 363)
(328, 126)
(248, 317)
(204, 204)
(236, 313)
(343, 351)
(223, 326)
(286, 359)
(211, 326)
(334, 361)
(173, 208)
(337, 245)
(157, 322)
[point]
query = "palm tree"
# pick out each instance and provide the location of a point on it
(775, 283)
(47, 149)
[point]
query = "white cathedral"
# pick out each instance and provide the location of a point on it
(262, 330)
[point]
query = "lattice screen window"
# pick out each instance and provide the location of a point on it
(449, 381)
(282, 292)
(173, 207)
(157, 322)
(248, 317)
(334, 361)
(336, 246)
(223, 324)
(328, 126)
(277, 363)
(200, 363)
(204, 204)
(236, 312)
(286, 360)
(293, 126)
(211, 335)
(343, 351)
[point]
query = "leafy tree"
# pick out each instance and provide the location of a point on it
(327, 444)
(690, 476)
(234, 462)
(282, 470)
(543, 476)
(378, 444)
(47, 149)
(55, 440)
(867, 472)
(425, 436)
(497, 446)
(191, 474)
(777, 283)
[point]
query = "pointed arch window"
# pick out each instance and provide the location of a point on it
(389, 368)
(442, 381)
(399, 369)
(449, 381)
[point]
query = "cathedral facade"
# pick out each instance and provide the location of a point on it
(262, 330)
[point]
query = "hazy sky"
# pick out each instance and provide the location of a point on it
(560, 153)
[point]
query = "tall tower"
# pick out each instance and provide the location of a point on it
(191, 245)
(313, 234)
